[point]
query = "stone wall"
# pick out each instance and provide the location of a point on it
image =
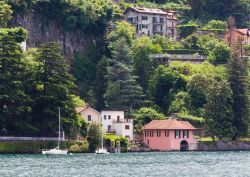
(223, 146)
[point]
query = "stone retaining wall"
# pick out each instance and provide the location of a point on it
(223, 146)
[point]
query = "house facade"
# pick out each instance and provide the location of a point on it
(89, 114)
(169, 135)
(115, 122)
(152, 21)
(236, 36)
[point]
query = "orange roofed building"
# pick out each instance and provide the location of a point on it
(237, 36)
(169, 135)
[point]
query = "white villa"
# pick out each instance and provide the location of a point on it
(112, 121)
(152, 21)
(115, 122)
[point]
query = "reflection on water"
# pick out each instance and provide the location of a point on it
(171, 164)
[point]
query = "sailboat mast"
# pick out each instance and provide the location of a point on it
(59, 124)
(102, 132)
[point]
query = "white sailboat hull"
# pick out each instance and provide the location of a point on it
(101, 151)
(54, 151)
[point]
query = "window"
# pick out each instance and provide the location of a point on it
(185, 134)
(145, 133)
(89, 117)
(118, 118)
(109, 128)
(158, 132)
(127, 127)
(161, 20)
(177, 134)
(144, 26)
(144, 18)
(166, 133)
(151, 133)
(172, 24)
(105, 117)
(154, 19)
(109, 116)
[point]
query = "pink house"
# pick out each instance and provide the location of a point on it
(169, 135)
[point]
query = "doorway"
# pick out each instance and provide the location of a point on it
(184, 145)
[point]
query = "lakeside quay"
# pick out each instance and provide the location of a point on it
(35, 147)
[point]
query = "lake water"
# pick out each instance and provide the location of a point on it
(224, 164)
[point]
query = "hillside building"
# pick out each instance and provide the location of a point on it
(152, 21)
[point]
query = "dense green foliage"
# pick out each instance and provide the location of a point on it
(94, 137)
(219, 114)
(117, 71)
(145, 115)
(239, 80)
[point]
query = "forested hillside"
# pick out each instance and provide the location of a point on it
(85, 50)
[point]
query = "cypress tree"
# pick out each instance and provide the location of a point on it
(238, 77)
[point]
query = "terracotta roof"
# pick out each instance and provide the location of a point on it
(243, 31)
(146, 10)
(81, 109)
(169, 124)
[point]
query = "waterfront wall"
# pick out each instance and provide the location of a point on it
(223, 146)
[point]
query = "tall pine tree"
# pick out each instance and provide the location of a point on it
(14, 102)
(101, 83)
(123, 92)
(53, 89)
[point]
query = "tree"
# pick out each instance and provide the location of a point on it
(216, 24)
(197, 88)
(122, 30)
(145, 115)
(220, 54)
(14, 102)
(122, 91)
(5, 14)
(101, 83)
(181, 103)
(164, 84)
(239, 81)
(143, 64)
(53, 89)
(94, 137)
(218, 110)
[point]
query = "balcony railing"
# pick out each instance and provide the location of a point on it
(158, 22)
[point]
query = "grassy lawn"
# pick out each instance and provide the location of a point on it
(207, 139)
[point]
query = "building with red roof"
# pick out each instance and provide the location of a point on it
(169, 135)
(236, 36)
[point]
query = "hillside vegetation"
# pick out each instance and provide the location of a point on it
(118, 72)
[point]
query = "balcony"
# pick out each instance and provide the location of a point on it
(111, 131)
(158, 22)
(157, 31)
(123, 121)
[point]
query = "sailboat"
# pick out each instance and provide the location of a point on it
(102, 150)
(57, 150)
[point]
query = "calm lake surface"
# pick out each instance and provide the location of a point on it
(128, 165)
